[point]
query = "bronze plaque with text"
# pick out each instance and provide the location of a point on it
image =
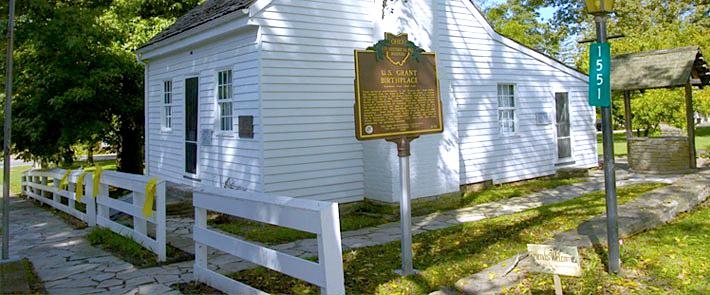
(396, 90)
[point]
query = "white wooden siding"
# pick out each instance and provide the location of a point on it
(228, 156)
(476, 62)
(307, 97)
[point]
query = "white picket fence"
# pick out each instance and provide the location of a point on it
(320, 218)
(43, 186)
(136, 184)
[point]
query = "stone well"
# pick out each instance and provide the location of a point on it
(668, 154)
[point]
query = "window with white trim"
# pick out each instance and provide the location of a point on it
(224, 101)
(506, 109)
(167, 104)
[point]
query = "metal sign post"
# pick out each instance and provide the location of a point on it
(405, 210)
(397, 99)
(6, 139)
(600, 95)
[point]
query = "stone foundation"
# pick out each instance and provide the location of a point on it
(659, 154)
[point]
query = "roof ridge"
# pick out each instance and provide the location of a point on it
(201, 14)
(659, 52)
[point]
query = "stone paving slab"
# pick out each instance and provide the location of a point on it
(645, 212)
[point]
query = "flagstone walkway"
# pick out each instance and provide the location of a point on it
(67, 264)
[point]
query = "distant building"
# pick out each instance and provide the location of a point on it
(511, 113)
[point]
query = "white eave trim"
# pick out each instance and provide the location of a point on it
(522, 49)
(258, 6)
(202, 33)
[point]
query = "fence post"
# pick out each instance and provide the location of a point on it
(71, 189)
(56, 198)
(330, 254)
(200, 249)
(160, 220)
(140, 225)
(23, 180)
(89, 200)
(102, 211)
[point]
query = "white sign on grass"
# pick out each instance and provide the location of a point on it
(558, 260)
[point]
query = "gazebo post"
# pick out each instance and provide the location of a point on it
(627, 115)
(690, 117)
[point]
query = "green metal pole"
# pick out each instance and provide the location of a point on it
(612, 226)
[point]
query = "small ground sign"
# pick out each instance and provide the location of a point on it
(396, 90)
(557, 260)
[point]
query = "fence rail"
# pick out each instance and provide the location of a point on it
(320, 218)
(44, 186)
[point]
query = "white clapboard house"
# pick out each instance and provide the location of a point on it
(258, 96)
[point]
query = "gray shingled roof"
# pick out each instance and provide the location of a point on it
(659, 69)
(203, 13)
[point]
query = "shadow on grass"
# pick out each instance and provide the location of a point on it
(446, 255)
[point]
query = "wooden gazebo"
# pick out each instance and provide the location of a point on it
(671, 68)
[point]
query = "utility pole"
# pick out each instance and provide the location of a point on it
(6, 137)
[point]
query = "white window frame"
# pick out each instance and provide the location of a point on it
(167, 109)
(224, 98)
(504, 125)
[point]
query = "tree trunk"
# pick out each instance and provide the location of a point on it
(90, 154)
(130, 153)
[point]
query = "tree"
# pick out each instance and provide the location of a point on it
(654, 25)
(520, 22)
(78, 79)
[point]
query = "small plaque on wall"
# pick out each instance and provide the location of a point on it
(246, 126)
(206, 137)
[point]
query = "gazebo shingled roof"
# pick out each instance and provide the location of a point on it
(659, 69)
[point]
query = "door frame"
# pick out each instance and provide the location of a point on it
(186, 175)
(568, 160)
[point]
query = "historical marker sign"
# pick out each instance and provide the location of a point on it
(396, 90)
(600, 75)
(557, 260)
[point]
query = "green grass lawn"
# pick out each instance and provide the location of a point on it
(19, 277)
(368, 214)
(446, 255)
(131, 251)
(702, 142)
(16, 178)
(16, 172)
(671, 259)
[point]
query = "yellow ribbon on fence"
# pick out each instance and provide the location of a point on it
(150, 189)
(97, 181)
(64, 182)
(79, 189)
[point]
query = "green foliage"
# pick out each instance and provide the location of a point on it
(78, 81)
(520, 22)
(654, 25)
